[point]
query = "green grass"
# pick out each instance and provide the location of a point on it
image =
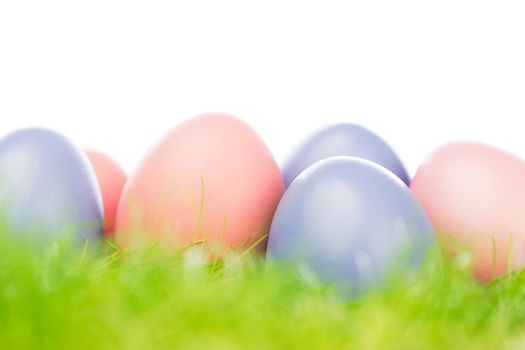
(63, 297)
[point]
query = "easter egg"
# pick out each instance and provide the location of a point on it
(111, 179)
(209, 180)
(474, 195)
(47, 187)
(349, 220)
(343, 140)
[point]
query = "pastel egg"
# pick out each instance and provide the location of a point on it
(349, 220)
(47, 187)
(211, 180)
(475, 196)
(111, 179)
(343, 140)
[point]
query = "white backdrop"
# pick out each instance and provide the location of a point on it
(116, 75)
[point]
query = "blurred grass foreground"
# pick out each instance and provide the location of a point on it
(61, 296)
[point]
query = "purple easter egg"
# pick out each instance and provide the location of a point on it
(349, 220)
(343, 140)
(48, 187)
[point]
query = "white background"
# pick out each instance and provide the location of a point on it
(116, 75)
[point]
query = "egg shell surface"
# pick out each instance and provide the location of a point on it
(210, 179)
(349, 220)
(343, 140)
(47, 187)
(111, 179)
(475, 196)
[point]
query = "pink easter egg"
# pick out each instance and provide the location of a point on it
(475, 197)
(211, 179)
(111, 179)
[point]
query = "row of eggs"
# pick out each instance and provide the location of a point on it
(343, 204)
